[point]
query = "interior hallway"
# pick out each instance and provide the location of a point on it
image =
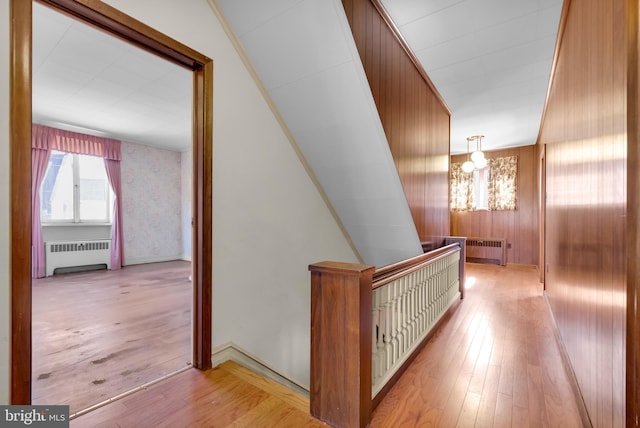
(495, 362)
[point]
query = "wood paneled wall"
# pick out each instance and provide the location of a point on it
(415, 120)
(519, 227)
(633, 212)
(584, 130)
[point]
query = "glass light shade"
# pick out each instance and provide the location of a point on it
(480, 163)
(468, 166)
(477, 156)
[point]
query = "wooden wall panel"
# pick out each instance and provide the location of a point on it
(519, 227)
(633, 214)
(415, 120)
(584, 133)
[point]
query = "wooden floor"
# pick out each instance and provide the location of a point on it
(495, 363)
(99, 334)
(226, 396)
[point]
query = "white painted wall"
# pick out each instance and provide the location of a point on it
(270, 221)
(307, 59)
(5, 312)
(75, 232)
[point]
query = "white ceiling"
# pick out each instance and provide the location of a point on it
(490, 60)
(87, 81)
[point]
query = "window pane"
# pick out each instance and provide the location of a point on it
(93, 189)
(482, 189)
(56, 201)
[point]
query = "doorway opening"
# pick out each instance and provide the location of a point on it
(119, 25)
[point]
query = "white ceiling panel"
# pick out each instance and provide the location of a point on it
(406, 11)
(446, 24)
(245, 16)
(489, 59)
(470, 69)
(305, 39)
(88, 81)
(491, 12)
(477, 52)
(522, 55)
(464, 93)
(449, 52)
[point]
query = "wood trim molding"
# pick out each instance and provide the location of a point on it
(412, 56)
(202, 220)
(542, 212)
(382, 273)
(568, 368)
(20, 170)
(120, 25)
(556, 54)
(233, 352)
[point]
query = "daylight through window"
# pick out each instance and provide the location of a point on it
(492, 188)
(75, 189)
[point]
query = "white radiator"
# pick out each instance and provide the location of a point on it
(63, 254)
(488, 250)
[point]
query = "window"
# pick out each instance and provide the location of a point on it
(491, 188)
(75, 189)
(481, 188)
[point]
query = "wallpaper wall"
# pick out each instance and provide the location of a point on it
(152, 204)
(186, 173)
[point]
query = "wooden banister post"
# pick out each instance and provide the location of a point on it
(462, 241)
(340, 377)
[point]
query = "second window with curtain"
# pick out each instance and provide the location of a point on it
(492, 188)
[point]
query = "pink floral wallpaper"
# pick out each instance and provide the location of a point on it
(152, 204)
(187, 185)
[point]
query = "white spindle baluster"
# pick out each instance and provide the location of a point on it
(406, 327)
(405, 310)
(397, 321)
(414, 284)
(389, 341)
(432, 291)
(420, 303)
(376, 332)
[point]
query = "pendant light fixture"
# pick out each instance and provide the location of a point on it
(477, 159)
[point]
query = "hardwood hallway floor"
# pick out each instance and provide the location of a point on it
(494, 363)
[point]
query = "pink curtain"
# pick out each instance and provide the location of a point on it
(45, 139)
(117, 247)
(39, 162)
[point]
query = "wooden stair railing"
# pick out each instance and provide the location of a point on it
(345, 325)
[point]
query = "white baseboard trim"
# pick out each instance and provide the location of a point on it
(186, 257)
(232, 352)
(155, 259)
